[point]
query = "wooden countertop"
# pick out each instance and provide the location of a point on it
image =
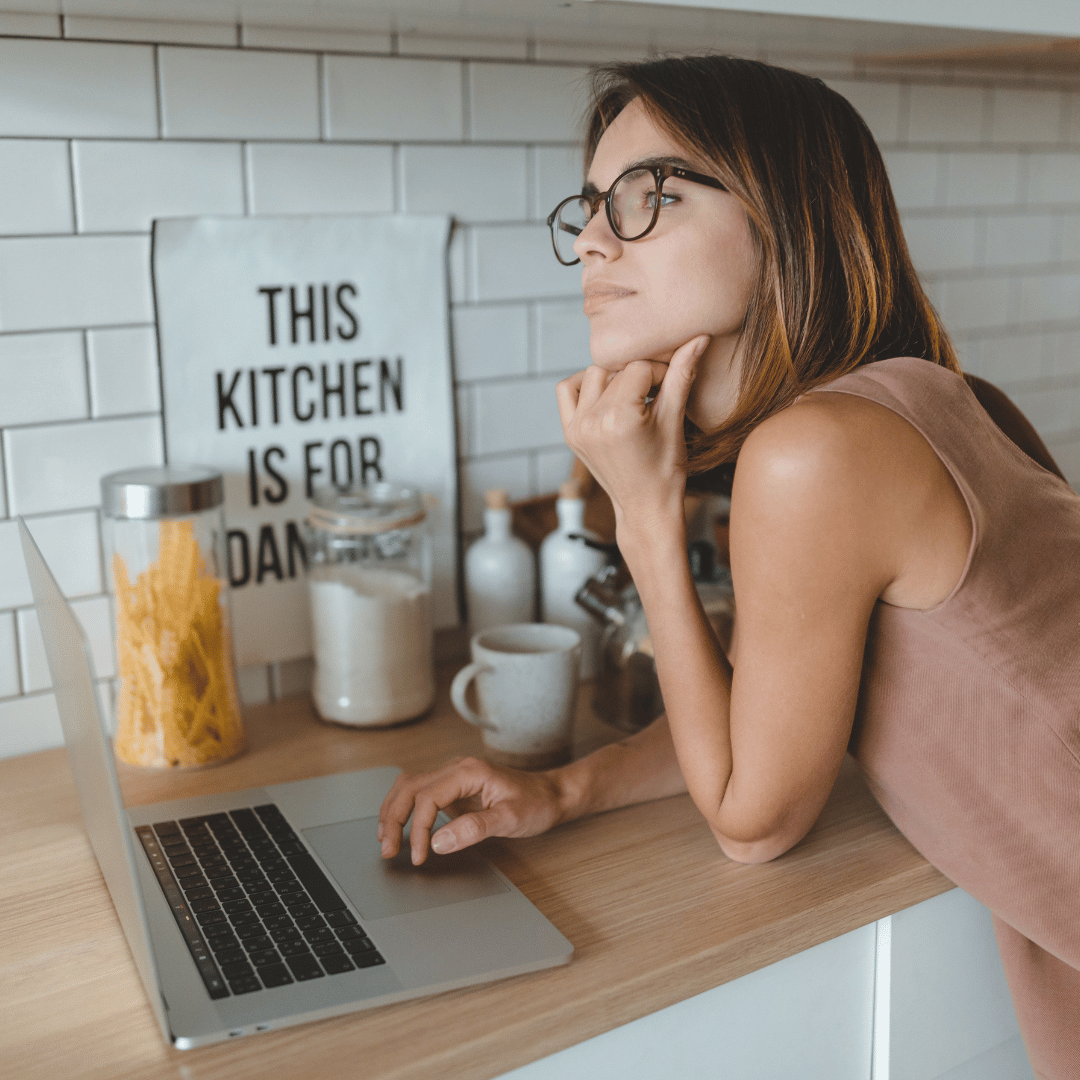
(655, 911)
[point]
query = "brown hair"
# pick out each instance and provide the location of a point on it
(836, 287)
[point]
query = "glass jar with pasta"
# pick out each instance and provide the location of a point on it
(177, 705)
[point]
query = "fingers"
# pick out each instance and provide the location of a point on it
(675, 389)
(566, 393)
(470, 829)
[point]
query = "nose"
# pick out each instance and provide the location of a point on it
(597, 240)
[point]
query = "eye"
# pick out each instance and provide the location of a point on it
(666, 199)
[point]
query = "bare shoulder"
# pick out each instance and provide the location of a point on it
(851, 480)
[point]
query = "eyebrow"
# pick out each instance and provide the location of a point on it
(589, 188)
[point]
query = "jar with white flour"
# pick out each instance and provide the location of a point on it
(369, 580)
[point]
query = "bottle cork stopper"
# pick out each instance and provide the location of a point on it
(570, 489)
(496, 499)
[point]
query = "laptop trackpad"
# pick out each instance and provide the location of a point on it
(380, 887)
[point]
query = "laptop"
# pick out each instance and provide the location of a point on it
(255, 910)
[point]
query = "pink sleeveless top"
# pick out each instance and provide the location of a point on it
(968, 720)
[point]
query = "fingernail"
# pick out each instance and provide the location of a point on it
(442, 843)
(699, 348)
(380, 832)
(386, 847)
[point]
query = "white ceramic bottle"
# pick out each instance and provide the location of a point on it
(565, 565)
(500, 571)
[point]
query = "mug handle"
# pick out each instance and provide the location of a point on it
(458, 689)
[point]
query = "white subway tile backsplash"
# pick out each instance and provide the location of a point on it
(1026, 116)
(474, 183)
(1011, 358)
(59, 282)
(1061, 355)
(938, 243)
(18, 24)
(1054, 178)
(230, 93)
(1049, 297)
(526, 102)
(43, 378)
(75, 88)
(982, 179)
(9, 658)
(552, 468)
(490, 342)
(123, 371)
(973, 303)
(123, 186)
(59, 466)
(878, 103)
(1021, 239)
(562, 337)
(1068, 241)
(916, 177)
(558, 174)
(253, 684)
(518, 415)
(28, 724)
(510, 473)
(946, 114)
(418, 44)
(299, 178)
(96, 622)
(392, 99)
(516, 262)
(1050, 411)
(1066, 452)
(313, 40)
(36, 186)
(71, 546)
(93, 28)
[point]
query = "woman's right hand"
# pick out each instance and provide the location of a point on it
(493, 802)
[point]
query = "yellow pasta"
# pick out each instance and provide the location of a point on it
(178, 704)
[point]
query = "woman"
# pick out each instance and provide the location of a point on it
(904, 575)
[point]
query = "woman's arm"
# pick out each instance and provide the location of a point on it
(759, 747)
(508, 802)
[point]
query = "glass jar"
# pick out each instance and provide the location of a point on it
(369, 580)
(165, 533)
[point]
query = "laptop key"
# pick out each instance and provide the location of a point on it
(290, 847)
(184, 872)
(210, 918)
(327, 948)
(203, 892)
(285, 933)
(278, 922)
(264, 957)
(340, 918)
(366, 960)
(205, 905)
(269, 908)
(294, 948)
(215, 871)
(250, 930)
(300, 906)
(225, 895)
(319, 934)
(358, 946)
(230, 956)
(192, 881)
(316, 882)
(187, 859)
(246, 984)
(244, 918)
(348, 933)
(337, 965)
(232, 907)
(235, 970)
(304, 968)
(275, 975)
(257, 944)
(166, 828)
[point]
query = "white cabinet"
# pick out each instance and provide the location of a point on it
(917, 996)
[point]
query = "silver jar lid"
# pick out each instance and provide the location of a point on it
(366, 510)
(161, 491)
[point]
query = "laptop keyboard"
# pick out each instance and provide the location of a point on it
(254, 907)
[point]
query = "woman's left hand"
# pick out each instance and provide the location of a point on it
(631, 442)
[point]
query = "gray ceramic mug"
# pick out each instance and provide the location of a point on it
(526, 679)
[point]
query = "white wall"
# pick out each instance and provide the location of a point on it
(98, 137)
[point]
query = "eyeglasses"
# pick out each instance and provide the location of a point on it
(633, 206)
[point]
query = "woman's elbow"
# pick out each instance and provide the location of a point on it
(757, 849)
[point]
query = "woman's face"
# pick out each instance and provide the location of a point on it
(691, 275)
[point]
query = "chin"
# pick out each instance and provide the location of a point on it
(614, 351)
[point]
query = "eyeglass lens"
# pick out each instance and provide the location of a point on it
(633, 203)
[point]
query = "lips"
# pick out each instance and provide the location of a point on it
(598, 293)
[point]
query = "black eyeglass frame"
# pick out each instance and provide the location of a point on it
(660, 174)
